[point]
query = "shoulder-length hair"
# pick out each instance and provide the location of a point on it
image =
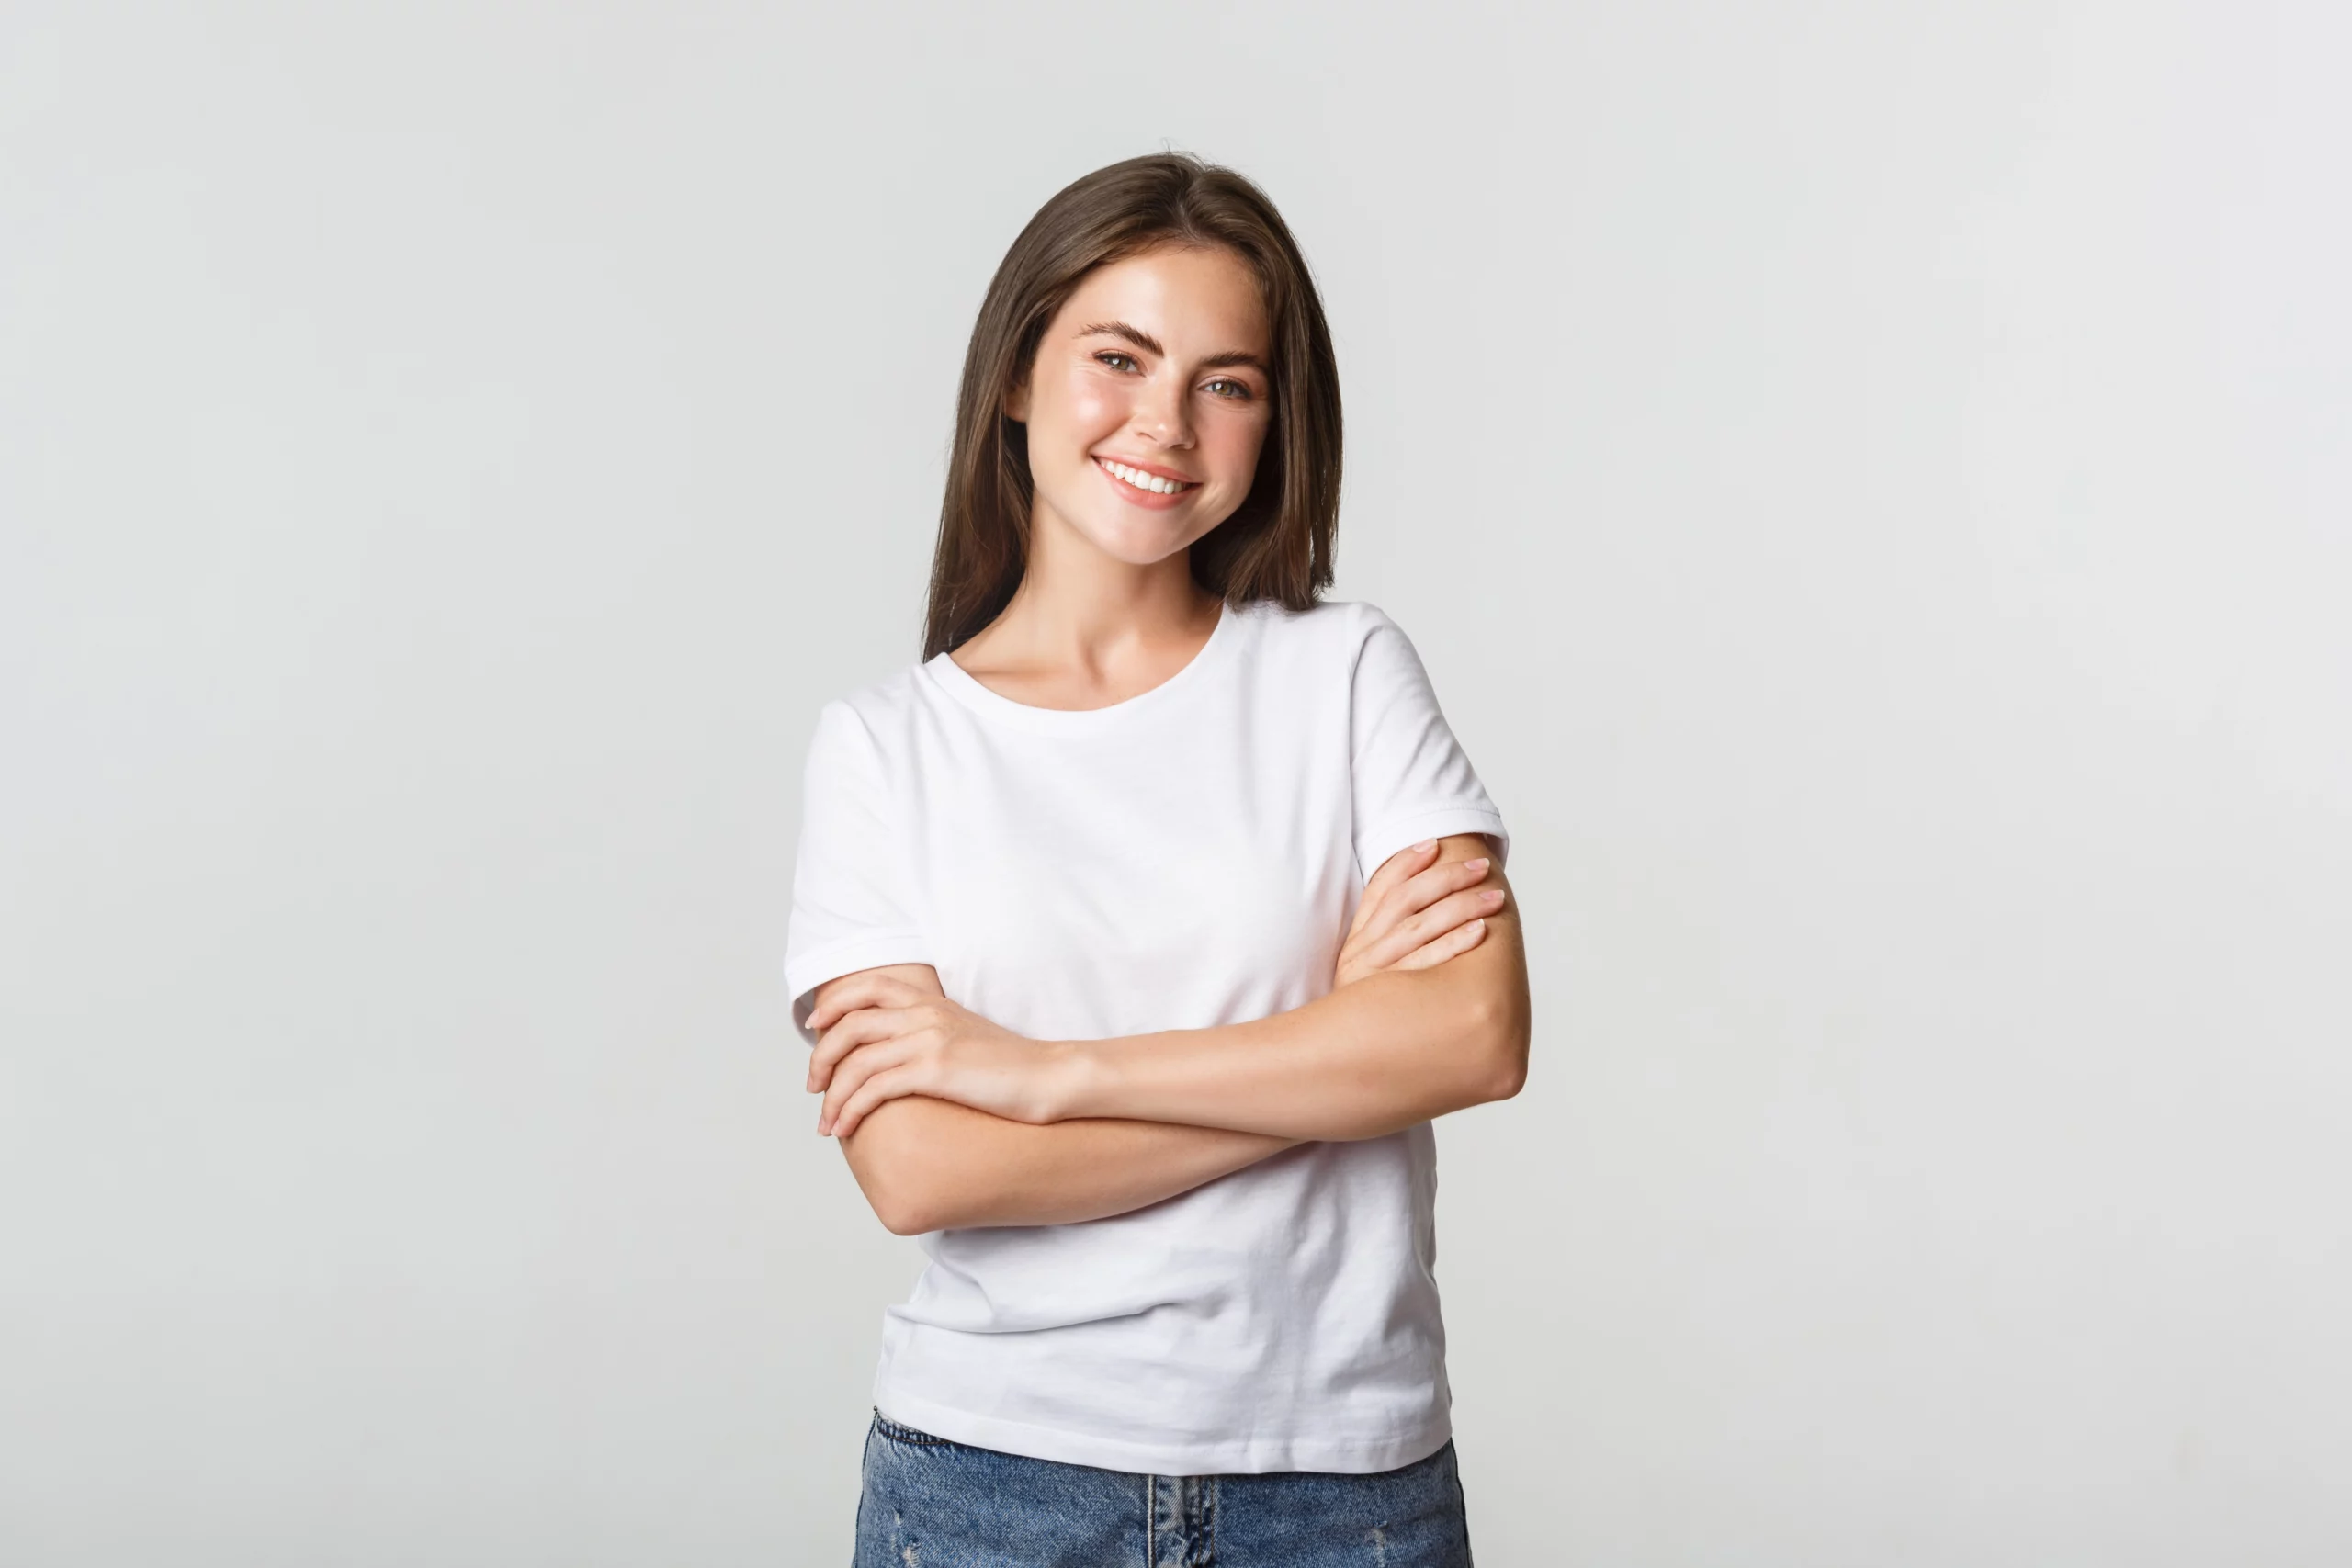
(1277, 545)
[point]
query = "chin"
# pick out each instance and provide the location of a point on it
(1137, 547)
(1123, 532)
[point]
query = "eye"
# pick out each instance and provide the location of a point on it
(1109, 355)
(1238, 391)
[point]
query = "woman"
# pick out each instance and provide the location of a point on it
(1104, 1006)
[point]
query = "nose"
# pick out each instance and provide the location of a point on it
(1162, 411)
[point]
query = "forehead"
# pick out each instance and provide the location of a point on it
(1189, 298)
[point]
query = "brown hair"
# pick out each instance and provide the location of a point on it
(1277, 545)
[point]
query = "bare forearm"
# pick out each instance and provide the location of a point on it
(1368, 1059)
(929, 1164)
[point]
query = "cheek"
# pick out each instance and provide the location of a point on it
(1084, 410)
(1237, 443)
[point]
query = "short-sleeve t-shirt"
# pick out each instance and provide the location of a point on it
(1190, 857)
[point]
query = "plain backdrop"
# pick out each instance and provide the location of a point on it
(1870, 484)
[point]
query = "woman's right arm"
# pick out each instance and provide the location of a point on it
(927, 1165)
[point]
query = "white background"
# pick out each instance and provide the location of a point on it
(1870, 484)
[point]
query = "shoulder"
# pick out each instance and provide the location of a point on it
(1339, 624)
(1351, 643)
(1364, 638)
(874, 718)
(884, 700)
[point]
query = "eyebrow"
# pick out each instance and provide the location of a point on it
(1150, 345)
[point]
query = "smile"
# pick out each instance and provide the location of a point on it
(1152, 484)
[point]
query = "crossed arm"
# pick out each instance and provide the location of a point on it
(949, 1120)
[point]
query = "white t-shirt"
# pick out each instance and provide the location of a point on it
(1190, 857)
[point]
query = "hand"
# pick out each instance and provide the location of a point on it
(882, 1037)
(1416, 912)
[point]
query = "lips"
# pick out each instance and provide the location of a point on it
(1146, 479)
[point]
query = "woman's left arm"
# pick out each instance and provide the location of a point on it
(1369, 1058)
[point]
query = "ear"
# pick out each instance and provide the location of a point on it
(1016, 403)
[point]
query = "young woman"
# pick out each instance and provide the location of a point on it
(1141, 929)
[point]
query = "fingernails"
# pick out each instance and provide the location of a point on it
(1477, 865)
(1425, 844)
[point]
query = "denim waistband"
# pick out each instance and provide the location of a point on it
(927, 1499)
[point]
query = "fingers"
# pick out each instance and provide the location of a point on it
(887, 1084)
(867, 987)
(1404, 907)
(1392, 871)
(1422, 888)
(1410, 931)
(1447, 944)
(854, 1028)
(1439, 880)
(862, 1068)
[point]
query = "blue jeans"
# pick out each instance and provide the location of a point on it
(938, 1504)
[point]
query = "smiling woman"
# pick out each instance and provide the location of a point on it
(1141, 929)
(1169, 415)
(1200, 225)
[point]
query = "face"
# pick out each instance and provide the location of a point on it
(1149, 402)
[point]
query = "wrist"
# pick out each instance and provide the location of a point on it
(1072, 1079)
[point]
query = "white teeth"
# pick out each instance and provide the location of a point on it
(1142, 481)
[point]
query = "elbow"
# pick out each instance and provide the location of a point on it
(909, 1205)
(898, 1179)
(1510, 1080)
(902, 1211)
(1504, 1034)
(1507, 1075)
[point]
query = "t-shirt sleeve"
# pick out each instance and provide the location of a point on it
(853, 894)
(1412, 779)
